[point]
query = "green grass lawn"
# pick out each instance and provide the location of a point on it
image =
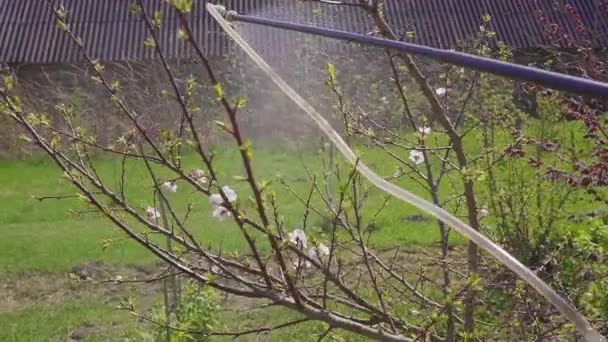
(55, 322)
(53, 236)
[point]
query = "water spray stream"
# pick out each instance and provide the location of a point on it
(567, 309)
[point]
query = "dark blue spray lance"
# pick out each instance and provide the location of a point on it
(558, 81)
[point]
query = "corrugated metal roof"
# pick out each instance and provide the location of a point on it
(445, 23)
(442, 23)
(28, 33)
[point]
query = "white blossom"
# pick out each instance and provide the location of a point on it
(312, 253)
(300, 263)
(424, 130)
(217, 203)
(298, 238)
(318, 252)
(170, 186)
(196, 174)
(199, 176)
(417, 157)
(221, 212)
(230, 194)
(441, 91)
(152, 213)
(323, 250)
(483, 212)
(215, 200)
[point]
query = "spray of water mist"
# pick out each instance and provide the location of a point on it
(567, 309)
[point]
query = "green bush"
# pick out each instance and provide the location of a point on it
(193, 318)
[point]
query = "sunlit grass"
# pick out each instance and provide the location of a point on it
(55, 235)
(57, 322)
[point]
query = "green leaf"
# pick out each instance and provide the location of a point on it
(157, 18)
(62, 25)
(218, 89)
(55, 141)
(181, 34)
(83, 198)
(331, 72)
(44, 120)
(106, 244)
(25, 138)
(181, 5)
(474, 280)
(246, 147)
(149, 42)
(133, 8)
(265, 184)
(61, 12)
(240, 102)
(115, 85)
(97, 65)
(32, 119)
(8, 82)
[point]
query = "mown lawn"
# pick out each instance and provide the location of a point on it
(56, 322)
(50, 238)
(54, 236)
(57, 234)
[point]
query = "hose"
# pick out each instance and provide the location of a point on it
(567, 309)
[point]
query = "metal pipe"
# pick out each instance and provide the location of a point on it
(550, 79)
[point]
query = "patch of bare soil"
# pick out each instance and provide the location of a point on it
(82, 332)
(83, 281)
(99, 283)
(92, 282)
